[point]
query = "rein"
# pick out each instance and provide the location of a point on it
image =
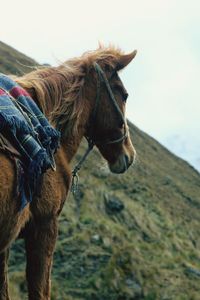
(102, 79)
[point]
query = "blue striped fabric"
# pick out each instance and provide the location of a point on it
(29, 132)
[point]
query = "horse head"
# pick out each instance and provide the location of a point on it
(107, 127)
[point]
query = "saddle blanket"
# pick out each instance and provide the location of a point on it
(27, 129)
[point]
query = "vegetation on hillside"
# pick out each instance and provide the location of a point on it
(126, 237)
(14, 62)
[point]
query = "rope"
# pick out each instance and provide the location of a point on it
(75, 178)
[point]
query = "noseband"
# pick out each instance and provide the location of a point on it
(101, 79)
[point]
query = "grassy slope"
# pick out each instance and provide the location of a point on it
(148, 250)
(14, 62)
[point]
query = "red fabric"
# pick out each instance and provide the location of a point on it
(18, 91)
(2, 92)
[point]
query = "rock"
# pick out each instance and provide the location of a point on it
(192, 271)
(167, 180)
(107, 242)
(135, 286)
(96, 239)
(113, 204)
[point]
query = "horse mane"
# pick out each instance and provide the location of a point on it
(59, 90)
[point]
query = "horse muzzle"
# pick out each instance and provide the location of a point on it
(122, 164)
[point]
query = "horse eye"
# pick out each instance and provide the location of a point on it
(121, 124)
(125, 96)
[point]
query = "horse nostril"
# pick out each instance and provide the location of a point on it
(126, 161)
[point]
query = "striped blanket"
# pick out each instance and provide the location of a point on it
(27, 129)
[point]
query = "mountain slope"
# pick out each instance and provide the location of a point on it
(150, 247)
(13, 61)
(131, 236)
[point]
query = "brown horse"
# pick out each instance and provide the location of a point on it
(82, 97)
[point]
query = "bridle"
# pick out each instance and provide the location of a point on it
(101, 79)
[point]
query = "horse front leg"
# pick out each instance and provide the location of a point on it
(3, 276)
(40, 241)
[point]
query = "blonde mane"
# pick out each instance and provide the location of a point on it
(59, 90)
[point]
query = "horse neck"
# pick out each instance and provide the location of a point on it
(70, 139)
(70, 144)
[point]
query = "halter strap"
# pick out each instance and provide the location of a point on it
(104, 79)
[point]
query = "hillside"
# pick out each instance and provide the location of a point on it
(126, 237)
(13, 61)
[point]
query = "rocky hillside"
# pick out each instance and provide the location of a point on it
(126, 237)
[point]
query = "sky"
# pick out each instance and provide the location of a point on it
(163, 81)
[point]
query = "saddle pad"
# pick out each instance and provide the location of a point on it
(29, 132)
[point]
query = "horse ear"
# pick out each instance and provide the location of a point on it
(125, 59)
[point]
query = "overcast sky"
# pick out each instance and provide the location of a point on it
(164, 79)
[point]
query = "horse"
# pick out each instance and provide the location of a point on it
(82, 97)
